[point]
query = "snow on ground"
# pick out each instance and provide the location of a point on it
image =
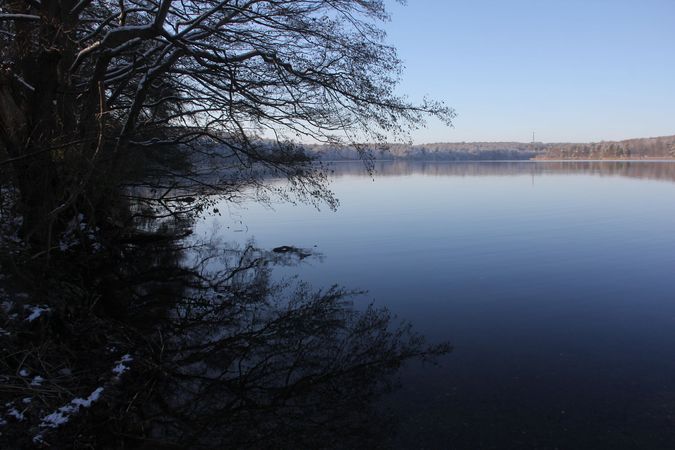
(63, 414)
(120, 366)
(18, 415)
(11, 412)
(36, 311)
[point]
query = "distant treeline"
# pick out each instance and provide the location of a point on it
(629, 169)
(657, 147)
(644, 148)
(462, 151)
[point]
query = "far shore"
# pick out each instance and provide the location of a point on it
(455, 161)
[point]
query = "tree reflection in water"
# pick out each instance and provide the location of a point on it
(221, 355)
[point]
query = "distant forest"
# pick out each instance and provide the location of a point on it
(644, 148)
(445, 151)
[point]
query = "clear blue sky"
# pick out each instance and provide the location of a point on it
(569, 70)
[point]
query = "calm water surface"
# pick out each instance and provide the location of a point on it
(554, 282)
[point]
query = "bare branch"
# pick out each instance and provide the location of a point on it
(19, 18)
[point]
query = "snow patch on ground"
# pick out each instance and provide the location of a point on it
(63, 414)
(121, 366)
(58, 417)
(37, 381)
(36, 311)
(18, 415)
(87, 402)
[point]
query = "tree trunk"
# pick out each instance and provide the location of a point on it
(37, 118)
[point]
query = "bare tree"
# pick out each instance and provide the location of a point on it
(86, 87)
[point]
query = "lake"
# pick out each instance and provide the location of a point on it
(553, 281)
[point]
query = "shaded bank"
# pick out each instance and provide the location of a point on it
(178, 343)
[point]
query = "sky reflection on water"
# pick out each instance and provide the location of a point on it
(553, 281)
